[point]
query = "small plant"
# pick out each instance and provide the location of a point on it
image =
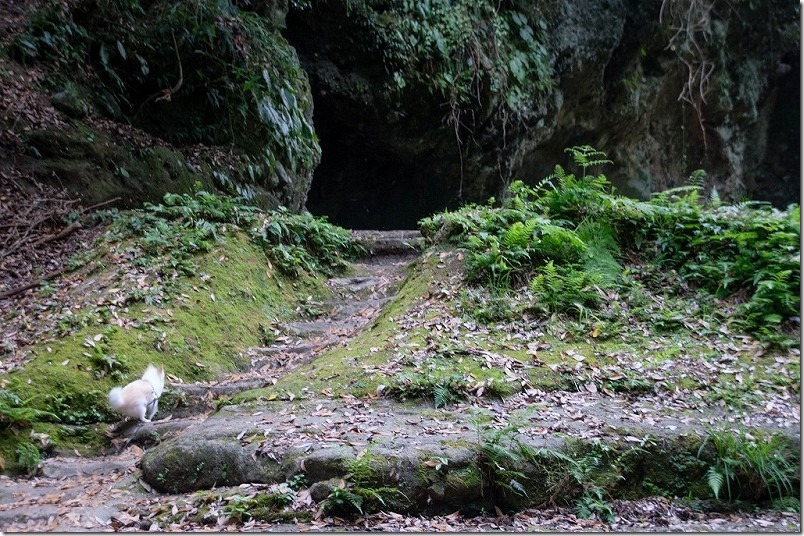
(750, 464)
(14, 412)
(298, 482)
(485, 306)
(365, 481)
(28, 457)
(442, 387)
(166, 236)
(498, 451)
(105, 363)
(589, 472)
(564, 289)
(787, 504)
(593, 503)
(261, 506)
(342, 502)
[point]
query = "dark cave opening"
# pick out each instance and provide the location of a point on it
(363, 182)
(778, 178)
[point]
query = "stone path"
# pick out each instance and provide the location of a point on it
(85, 493)
(237, 446)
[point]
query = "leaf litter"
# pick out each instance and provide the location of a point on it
(592, 411)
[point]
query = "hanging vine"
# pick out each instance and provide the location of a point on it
(691, 24)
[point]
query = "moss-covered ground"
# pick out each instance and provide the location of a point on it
(197, 326)
(514, 376)
(425, 340)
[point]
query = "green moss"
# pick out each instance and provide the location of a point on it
(80, 151)
(464, 479)
(341, 369)
(10, 442)
(669, 467)
(199, 333)
(69, 439)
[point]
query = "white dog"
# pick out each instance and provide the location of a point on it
(139, 397)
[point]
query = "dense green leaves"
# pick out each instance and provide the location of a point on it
(565, 242)
(167, 235)
(190, 72)
(303, 242)
(470, 54)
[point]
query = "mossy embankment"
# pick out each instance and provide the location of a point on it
(200, 332)
(426, 343)
(191, 296)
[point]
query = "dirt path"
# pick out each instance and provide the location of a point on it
(109, 492)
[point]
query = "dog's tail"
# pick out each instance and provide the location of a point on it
(116, 398)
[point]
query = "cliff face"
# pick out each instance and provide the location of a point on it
(129, 100)
(663, 87)
(419, 105)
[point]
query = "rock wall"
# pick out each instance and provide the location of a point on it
(419, 106)
(661, 88)
(140, 98)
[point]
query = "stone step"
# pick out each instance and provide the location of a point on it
(400, 242)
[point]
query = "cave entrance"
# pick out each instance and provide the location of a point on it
(365, 183)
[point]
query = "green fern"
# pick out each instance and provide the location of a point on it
(28, 457)
(519, 235)
(546, 280)
(747, 252)
(696, 178)
(593, 503)
(565, 180)
(564, 289)
(602, 251)
(758, 464)
(497, 452)
(15, 412)
(714, 198)
(586, 156)
(341, 501)
(559, 244)
(442, 395)
(715, 480)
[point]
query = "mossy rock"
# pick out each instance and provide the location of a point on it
(97, 167)
(186, 464)
(234, 82)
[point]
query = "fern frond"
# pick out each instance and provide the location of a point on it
(782, 277)
(715, 481)
(714, 197)
(586, 156)
(530, 227)
(516, 236)
(696, 178)
(441, 395)
(564, 179)
(355, 500)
